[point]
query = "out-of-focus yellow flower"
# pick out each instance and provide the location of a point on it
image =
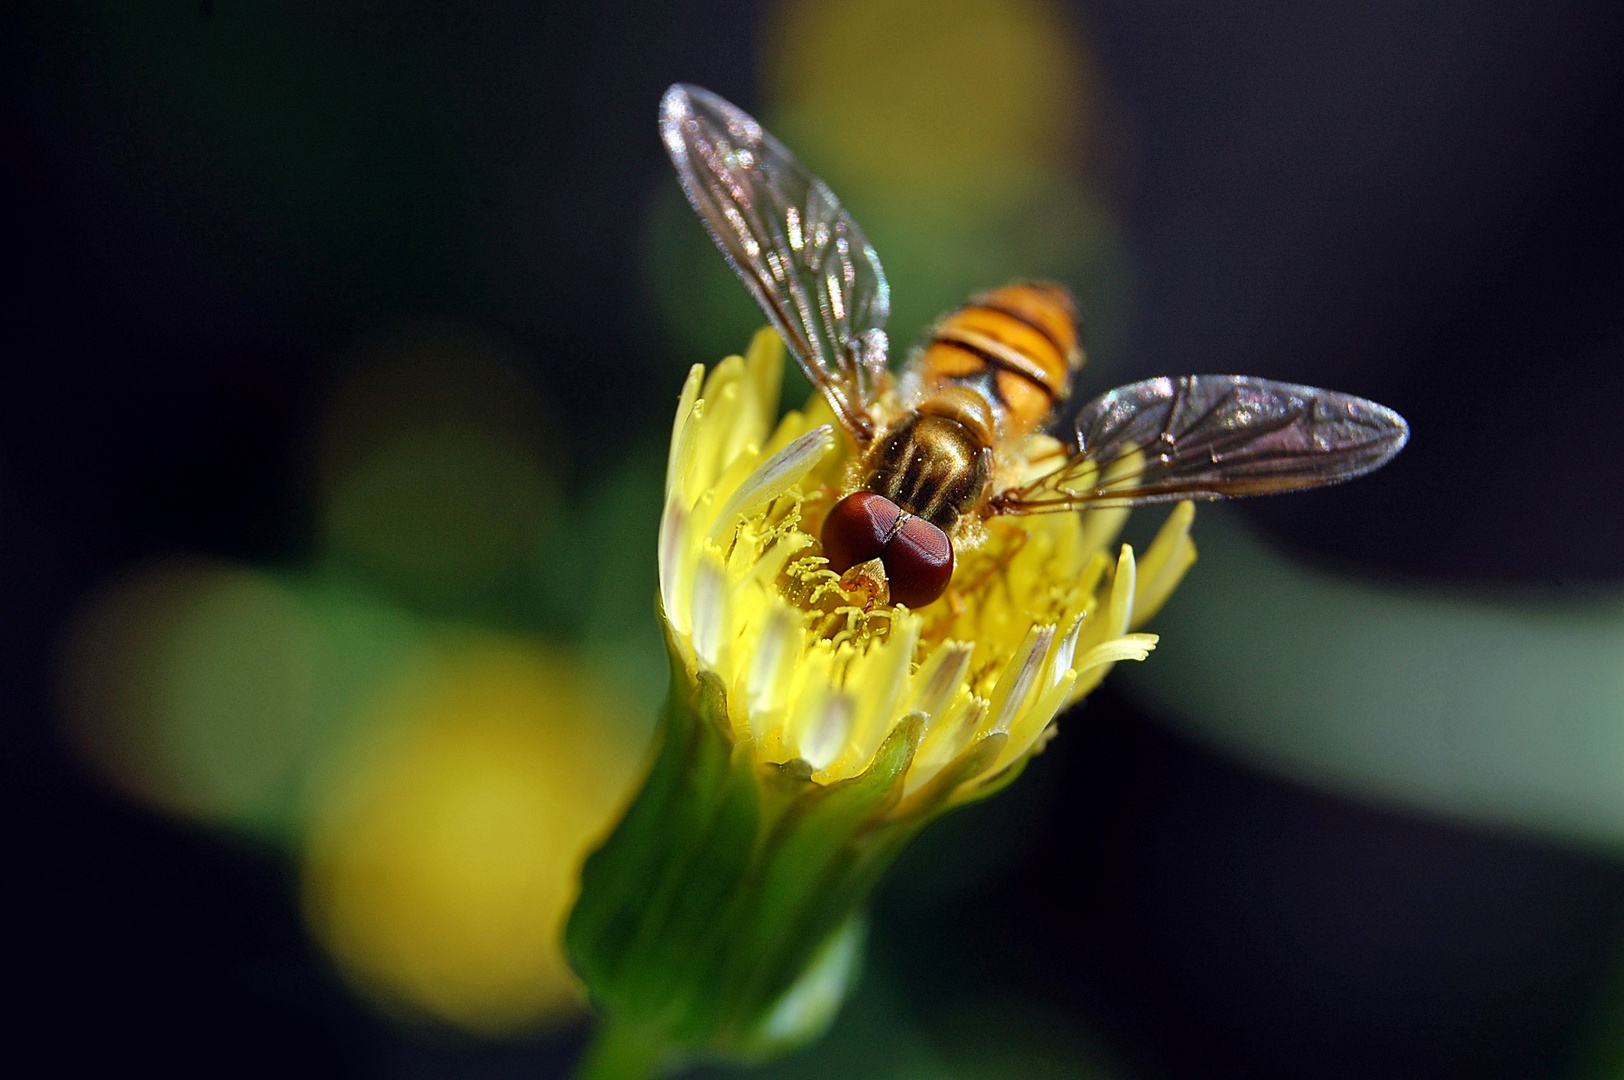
(810, 734)
(923, 96)
(446, 853)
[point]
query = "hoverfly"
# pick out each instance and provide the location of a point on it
(945, 446)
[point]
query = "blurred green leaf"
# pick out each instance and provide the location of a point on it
(1498, 709)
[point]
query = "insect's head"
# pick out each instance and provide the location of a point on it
(917, 556)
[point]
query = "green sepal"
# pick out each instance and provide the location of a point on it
(722, 917)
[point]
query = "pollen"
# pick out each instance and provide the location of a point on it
(818, 671)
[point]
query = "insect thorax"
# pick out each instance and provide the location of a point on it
(931, 466)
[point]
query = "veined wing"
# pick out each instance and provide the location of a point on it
(1211, 437)
(787, 237)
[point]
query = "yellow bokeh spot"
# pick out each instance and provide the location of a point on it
(954, 99)
(953, 131)
(445, 857)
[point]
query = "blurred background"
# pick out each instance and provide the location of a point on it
(342, 341)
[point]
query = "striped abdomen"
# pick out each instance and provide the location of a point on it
(1016, 345)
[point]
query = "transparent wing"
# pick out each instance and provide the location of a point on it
(795, 248)
(1210, 437)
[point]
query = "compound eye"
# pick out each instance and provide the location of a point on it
(918, 563)
(856, 529)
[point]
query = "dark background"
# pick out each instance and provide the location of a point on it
(1419, 202)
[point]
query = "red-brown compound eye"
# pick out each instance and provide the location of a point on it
(856, 529)
(918, 563)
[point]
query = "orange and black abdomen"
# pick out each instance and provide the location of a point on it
(1016, 345)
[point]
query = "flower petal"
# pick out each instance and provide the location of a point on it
(1026, 731)
(939, 678)
(773, 477)
(681, 434)
(826, 736)
(948, 737)
(709, 614)
(1020, 675)
(1127, 647)
(1121, 608)
(772, 666)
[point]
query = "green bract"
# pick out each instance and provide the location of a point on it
(723, 916)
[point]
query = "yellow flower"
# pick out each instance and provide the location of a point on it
(811, 732)
(1038, 611)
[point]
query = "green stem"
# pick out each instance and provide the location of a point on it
(617, 1052)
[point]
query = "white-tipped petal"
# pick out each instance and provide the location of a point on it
(773, 477)
(827, 734)
(1064, 651)
(709, 614)
(1032, 724)
(1020, 675)
(878, 680)
(810, 686)
(947, 738)
(672, 523)
(940, 677)
(689, 544)
(772, 666)
(682, 453)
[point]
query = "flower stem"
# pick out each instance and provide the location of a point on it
(618, 1052)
